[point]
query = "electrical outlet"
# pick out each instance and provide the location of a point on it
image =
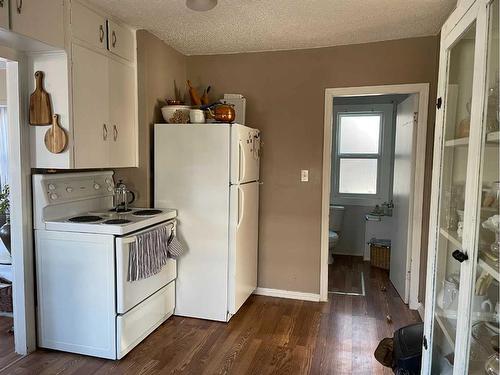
(304, 175)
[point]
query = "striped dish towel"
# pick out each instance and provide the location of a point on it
(149, 253)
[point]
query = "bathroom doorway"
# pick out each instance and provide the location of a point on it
(373, 184)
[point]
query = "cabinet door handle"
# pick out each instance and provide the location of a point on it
(1, 3)
(113, 39)
(101, 33)
(115, 133)
(19, 4)
(104, 132)
(460, 256)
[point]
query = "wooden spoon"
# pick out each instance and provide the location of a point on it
(56, 139)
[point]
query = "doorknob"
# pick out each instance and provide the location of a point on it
(460, 256)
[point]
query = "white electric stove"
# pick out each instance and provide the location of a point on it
(85, 303)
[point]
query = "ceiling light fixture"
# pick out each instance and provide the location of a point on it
(201, 5)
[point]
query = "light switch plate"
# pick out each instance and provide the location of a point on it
(304, 175)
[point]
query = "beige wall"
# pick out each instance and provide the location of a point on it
(285, 99)
(159, 68)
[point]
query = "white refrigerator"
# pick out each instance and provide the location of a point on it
(210, 174)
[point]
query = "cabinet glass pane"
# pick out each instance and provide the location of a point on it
(484, 331)
(453, 180)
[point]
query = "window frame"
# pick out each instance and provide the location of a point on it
(384, 156)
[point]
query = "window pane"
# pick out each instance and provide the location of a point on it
(359, 134)
(358, 176)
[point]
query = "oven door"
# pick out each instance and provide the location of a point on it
(130, 294)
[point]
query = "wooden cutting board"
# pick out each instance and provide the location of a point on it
(56, 139)
(40, 108)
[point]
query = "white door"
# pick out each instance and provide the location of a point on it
(131, 293)
(122, 122)
(120, 41)
(88, 26)
(245, 154)
(402, 195)
(92, 131)
(243, 243)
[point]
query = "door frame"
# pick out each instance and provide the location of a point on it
(20, 200)
(422, 89)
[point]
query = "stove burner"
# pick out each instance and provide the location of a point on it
(147, 212)
(117, 221)
(85, 219)
(120, 210)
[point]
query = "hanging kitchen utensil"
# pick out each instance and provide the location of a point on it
(195, 97)
(56, 139)
(40, 107)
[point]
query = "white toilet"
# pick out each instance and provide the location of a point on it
(336, 221)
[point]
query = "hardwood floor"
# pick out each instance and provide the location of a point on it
(7, 354)
(267, 336)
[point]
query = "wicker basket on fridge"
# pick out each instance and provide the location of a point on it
(380, 253)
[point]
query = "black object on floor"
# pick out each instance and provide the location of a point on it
(407, 353)
(403, 352)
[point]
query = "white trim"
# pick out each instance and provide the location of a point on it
(422, 89)
(21, 226)
(287, 294)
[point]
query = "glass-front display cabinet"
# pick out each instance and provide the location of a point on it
(462, 298)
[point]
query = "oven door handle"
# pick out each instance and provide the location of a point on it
(132, 239)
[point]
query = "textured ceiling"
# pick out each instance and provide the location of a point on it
(263, 25)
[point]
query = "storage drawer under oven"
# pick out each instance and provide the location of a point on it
(138, 323)
(129, 294)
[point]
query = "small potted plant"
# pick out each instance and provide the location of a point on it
(4, 211)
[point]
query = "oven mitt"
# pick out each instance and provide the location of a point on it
(175, 247)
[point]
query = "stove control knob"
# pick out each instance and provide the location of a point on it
(54, 196)
(52, 187)
(109, 181)
(97, 186)
(110, 188)
(69, 189)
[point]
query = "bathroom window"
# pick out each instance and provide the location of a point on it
(362, 160)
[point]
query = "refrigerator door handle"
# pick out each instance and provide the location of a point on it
(242, 161)
(241, 206)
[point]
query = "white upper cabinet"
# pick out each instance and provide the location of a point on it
(102, 90)
(91, 126)
(88, 26)
(4, 14)
(120, 41)
(42, 20)
(122, 94)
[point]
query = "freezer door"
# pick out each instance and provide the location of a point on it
(243, 250)
(245, 154)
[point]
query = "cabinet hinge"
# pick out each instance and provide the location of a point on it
(439, 103)
(415, 118)
(425, 342)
